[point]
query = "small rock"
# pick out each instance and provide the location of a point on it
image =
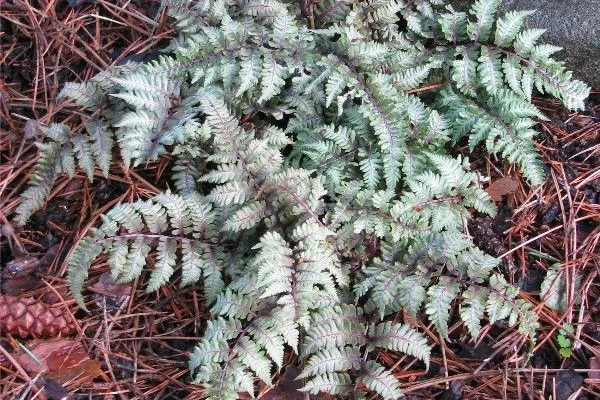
(454, 392)
(567, 383)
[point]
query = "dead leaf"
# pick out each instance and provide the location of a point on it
(53, 389)
(60, 361)
(287, 388)
(594, 373)
(108, 287)
(501, 187)
(110, 294)
(18, 275)
(20, 267)
(31, 129)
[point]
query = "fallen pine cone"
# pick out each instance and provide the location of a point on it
(27, 317)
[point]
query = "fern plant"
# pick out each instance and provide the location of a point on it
(314, 194)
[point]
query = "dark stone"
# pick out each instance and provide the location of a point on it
(531, 281)
(53, 389)
(551, 213)
(77, 3)
(502, 221)
(573, 25)
(454, 392)
(484, 236)
(481, 352)
(567, 383)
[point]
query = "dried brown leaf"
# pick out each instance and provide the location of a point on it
(594, 373)
(60, 361)
(502, 187)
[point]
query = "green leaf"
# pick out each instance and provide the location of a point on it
(272, 78)
(439, 301)
(250, 69)
(489, 70)
(379, 379)
(509, 26)
(565, 352)
(526, 40)
(484, 12)
(164, 265)
(472, 310)
(563, 341)
(464, 73)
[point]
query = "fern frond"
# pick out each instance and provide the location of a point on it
(169, 218)
(332, 360)
(334, 383)
(84, 255)
(401, 338)
(247, 216)
(164, 265)
(312, 174)
(509, 26)
(484, 11)
(381, 380)
(472, 310)
(489, 70)
(272, 77)
(454, 25)
(58, 154)
(526, 40)
(465, 72)
(41, 182)
(439, 302)
(250, 68)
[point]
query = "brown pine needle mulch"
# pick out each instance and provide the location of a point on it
(135, 346)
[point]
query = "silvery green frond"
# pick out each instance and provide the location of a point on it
(508, 26)
(378, 378)
(314, 197)
(526, 40)
(84, 255)
(454, 25)
(465, 71)
(250, 68)
(130, 231)
(508, 133)
(439, 301)
(399, 337)
(247, 216)
(502, 304)
(40, 183)
(273, 76)
(484, 12)
(489, 70)
(62, 152)
(164, 266)
(333, 383)
(333, 359)
(472, 310)
(344, 326)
